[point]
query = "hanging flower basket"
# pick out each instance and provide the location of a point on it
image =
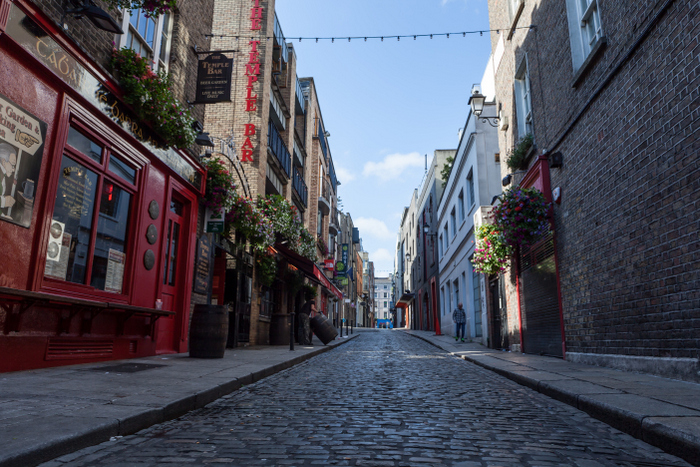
(221, 186)
(152, 98)
(522, 216)
(250, 222)
(151, 8)
(287, 225)
(492, 253)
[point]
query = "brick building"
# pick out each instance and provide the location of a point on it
(609, 90)
(99, 211)
(274, 133)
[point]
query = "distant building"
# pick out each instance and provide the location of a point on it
(383, 297)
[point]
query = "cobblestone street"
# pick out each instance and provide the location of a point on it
(384, 399)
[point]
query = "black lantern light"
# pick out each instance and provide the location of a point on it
(100, 18)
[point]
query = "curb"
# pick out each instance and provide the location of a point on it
(649, 429)
(101, 431)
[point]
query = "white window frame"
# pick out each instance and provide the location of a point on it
(523, 99)
(470, 188)
(585, 29)
(158, 36)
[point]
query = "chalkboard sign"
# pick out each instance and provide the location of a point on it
(201, 273)
(214, 79)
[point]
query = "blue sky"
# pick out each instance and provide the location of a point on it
(387, 104)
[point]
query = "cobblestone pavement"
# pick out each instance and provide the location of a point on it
(385, 399)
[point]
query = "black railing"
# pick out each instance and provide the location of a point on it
(279, 149)
(299, 186)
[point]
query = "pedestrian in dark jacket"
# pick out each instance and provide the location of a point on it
(460, 319)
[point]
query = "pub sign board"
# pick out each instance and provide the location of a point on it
(22, 138)
(201, 274)
(214, 79)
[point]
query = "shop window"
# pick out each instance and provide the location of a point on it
(150, 37)
(90, 222)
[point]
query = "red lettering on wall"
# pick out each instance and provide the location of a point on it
(252, 69)
(247, 155)
(249, 129)
(248, 144)
(252, 79)
(251, 105)
(256, 13)
(250, 94)
(255, 24)
(254, 45)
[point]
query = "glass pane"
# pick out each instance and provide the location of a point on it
(167, 253)
(134, 19)
(164, 36)
(83, 144)
(121, 169)
(173, 254)
(110, 245)
(143, 23)
(150, 32)
(177, 207)
(71, 225)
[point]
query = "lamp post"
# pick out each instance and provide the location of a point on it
(476, 102)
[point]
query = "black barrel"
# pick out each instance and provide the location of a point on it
(323, 329)
(208, 331)
(279, 329)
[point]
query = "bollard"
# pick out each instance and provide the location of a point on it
(352, 324)
(341, 329)
(291, 331)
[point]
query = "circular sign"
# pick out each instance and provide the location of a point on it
(340, 266)
(53, 250)
(56, 230)
(154, 210)
(151, 234)
(149, 260)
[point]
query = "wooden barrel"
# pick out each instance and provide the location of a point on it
(323, 329)
(208, 331)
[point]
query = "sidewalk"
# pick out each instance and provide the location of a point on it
(54, 411)
(660, 411)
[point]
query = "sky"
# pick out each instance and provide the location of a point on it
(387, 104)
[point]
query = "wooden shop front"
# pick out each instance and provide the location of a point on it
(98, 219)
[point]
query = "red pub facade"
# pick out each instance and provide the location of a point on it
(98, 221)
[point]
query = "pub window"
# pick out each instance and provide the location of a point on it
(89, 228)
(149, 37)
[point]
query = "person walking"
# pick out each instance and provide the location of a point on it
(460, 319)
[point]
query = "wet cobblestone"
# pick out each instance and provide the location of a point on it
(384, 399)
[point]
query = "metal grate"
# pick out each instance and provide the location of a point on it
(69, 349)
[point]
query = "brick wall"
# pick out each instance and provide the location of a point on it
(626, 228)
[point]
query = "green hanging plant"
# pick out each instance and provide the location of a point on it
(491, 252)
(151, 8)
(517, 156)
(151, 96)
(522, 216)
(267, 267)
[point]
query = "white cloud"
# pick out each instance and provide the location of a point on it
(383, 261)
(344, 175)
(393, 165)
(374, 228)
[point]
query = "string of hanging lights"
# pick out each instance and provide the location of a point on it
(381, 38)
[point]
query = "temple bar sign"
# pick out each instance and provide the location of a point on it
(214, 79)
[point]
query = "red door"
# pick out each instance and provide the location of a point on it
(174, 252)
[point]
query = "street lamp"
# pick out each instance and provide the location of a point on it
(476, 102)
(100, 18)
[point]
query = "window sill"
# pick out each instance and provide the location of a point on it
(588, 62)
(516, 17)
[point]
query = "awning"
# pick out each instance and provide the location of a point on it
(309, 269)
(405, 300)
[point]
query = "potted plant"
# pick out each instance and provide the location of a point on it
(520, 153)
(491, 253)
(152, 98)
(522, 216)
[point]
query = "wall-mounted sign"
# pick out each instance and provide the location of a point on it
(21, 150)
(201, 274)
(329, 263)
(214, 79)
(342, 265)
(214, 221)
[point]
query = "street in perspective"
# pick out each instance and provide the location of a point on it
(383, 399)
(383, 233)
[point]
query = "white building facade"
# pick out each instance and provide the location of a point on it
(473, 182)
